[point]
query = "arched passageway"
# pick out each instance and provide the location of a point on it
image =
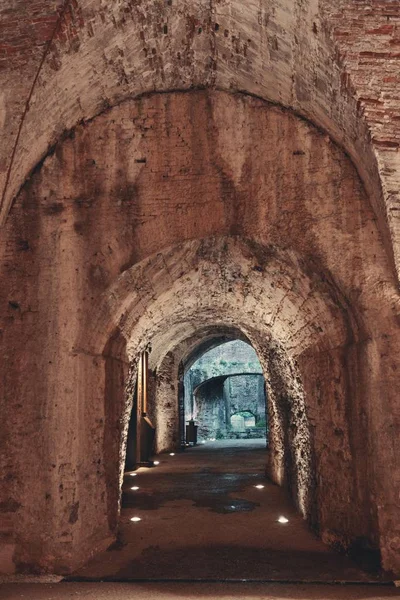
(220, 385)
(295, 460)
(220, 479)
(199, 229)
(179, 541)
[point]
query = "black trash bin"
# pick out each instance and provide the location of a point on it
(191, 432)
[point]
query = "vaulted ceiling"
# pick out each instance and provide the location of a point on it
(336, 64)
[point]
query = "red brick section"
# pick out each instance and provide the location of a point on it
(72, 22)
(368, 37)
(26, 27)
(26, 36)
(367, 33)
(25, 31)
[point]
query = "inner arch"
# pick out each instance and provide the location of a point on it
(173, 325)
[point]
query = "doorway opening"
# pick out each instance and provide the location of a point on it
(141, 431)
(242, 422)
(225, 395)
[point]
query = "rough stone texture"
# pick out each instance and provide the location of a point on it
(246, 394)
(163, 405)
(334, 63)
(161, 220)
(210, 409)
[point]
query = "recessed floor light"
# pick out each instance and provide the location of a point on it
(283, 520)
(156, 462)
(259, 486)
(135, 487)
(136, 519)
(133, 474)
(172, 453)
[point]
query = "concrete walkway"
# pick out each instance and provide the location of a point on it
(203, 518)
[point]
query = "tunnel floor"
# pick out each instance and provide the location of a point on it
(202, 518)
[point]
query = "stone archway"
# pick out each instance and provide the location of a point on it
(103, 253)
(288, 53)
(167, 324)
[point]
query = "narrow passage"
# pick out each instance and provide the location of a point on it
(202, 514)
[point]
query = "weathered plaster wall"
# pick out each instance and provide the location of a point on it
(228, 356)
(100, 258)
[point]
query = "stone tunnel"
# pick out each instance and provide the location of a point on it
(179, 174)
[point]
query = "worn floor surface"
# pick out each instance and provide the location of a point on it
(203, 518)
(197, 591)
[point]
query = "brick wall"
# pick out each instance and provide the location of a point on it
(367, 34)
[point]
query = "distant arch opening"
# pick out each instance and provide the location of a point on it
(242, 421)
(223, 382)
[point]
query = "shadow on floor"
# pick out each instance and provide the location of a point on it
(201, 517)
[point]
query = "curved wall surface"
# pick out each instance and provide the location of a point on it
(164, 216)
